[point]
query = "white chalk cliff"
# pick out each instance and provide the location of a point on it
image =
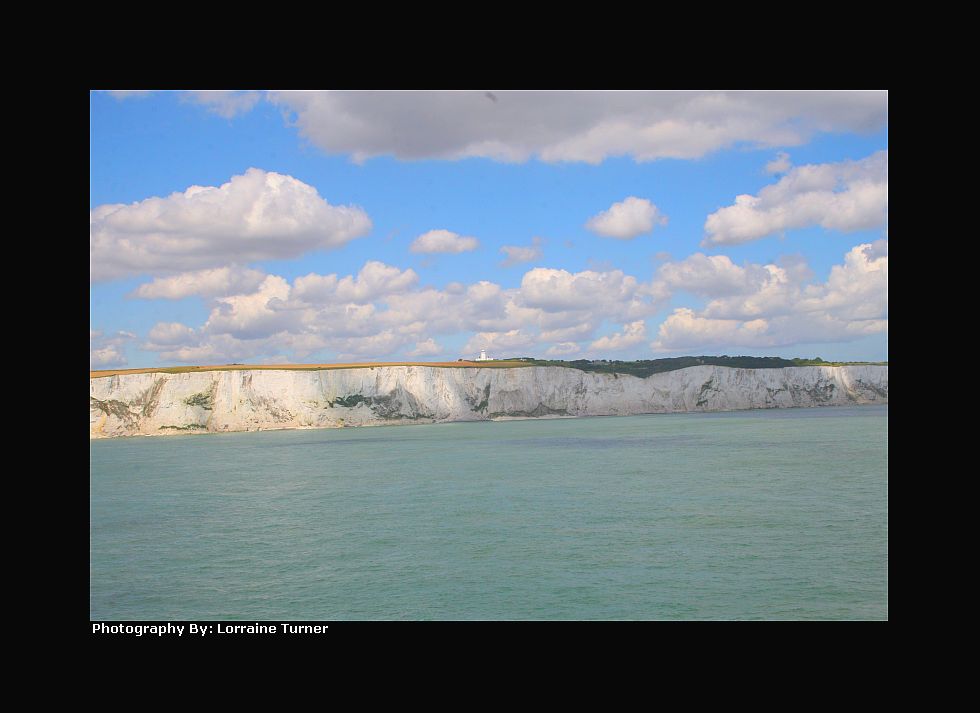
(161, 404)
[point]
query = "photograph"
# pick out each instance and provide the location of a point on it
(486, 355)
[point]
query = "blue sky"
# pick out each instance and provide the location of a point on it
(349, 226)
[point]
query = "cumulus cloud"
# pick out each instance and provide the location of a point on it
(259, 215)
(500, 344)
(121, 94)
(627, 219)
(632, 334)
(443, 241)
(205, 283)
(780, 164)
(711, 275)
(382, 311)
(610, 292)
(570, 125)
(782, 311)
(217, 349)
(877, 249)
(374, 281)
(576, 332)
(517, 254)
(685, 329)
(224, 102)
(426, 348)
(846, 196)
(227, 103)
(258, 314)
(383, 343)
(856, 290)
(563, 349)
(106, 357)
(107, 351)
(168, 333)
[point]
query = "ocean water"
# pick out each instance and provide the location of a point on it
(770, 514)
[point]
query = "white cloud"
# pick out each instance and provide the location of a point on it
(426, 348)
(169, 333)
(375, 345)
(711, 275)
(610, 293)
(570, 125)
(573, 333)
(106, 357)
(500, 344)
(443, 241)
(381, 311)
(780, 164)
(685, 329)
(795, 268)
(482, 306)
(122, 94)
(846, 196)
(224, 102)
(877, 249)
(216, 349)
(516, 254)
(374, 281)
(206, 283)
(856, 290)
(632, 334)
(257, 314)
(259, 215)
(782, 311)
(776, 293)
(318, 313)
(107, 351)
(566, 309)
(563, 349)
(627, 219)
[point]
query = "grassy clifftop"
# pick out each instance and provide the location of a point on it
(497, 364)
(641, 368)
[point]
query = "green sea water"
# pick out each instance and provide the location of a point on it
(769, 514)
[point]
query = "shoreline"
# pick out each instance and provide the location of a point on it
(499, 419)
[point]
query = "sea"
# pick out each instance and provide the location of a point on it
(775, 514)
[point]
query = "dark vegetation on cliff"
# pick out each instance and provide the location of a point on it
(647, 367)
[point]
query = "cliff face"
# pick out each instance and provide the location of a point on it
(164, 404)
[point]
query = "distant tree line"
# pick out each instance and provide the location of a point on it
(646, 367)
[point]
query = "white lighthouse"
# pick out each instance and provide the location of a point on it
(483, 355)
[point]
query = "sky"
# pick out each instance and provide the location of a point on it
(255, 227)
